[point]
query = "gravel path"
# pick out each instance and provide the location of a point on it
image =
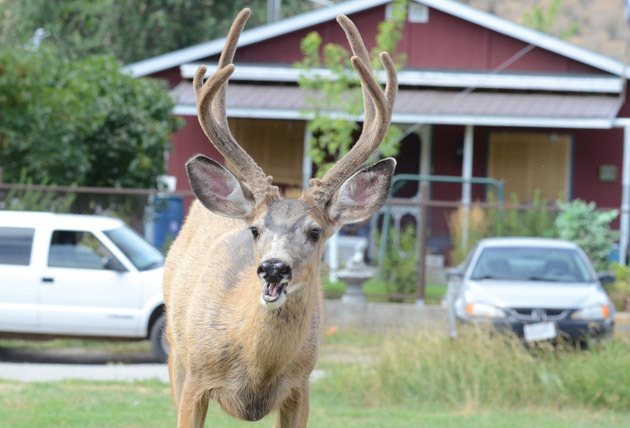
(36, 372)
(27, 365)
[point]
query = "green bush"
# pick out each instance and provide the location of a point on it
(581, 223)
(619, 291)
(535, 219)
(399, 268)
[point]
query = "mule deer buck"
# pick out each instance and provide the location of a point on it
(242, 280)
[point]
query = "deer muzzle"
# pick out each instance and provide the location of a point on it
(275, 275)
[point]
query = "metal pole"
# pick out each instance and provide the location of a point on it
(466, 186)
(273, 10)
(422, 240)
(333, 257)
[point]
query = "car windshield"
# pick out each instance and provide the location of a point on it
(531, 264)
(142, 254)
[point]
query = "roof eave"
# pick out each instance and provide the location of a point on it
(434, 119)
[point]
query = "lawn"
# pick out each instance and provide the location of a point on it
(147, 404)
(479, 380)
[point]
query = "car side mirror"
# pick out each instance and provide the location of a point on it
(112, 263)
(605, 278)
(454, 274)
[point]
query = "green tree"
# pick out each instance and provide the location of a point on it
(130, 30)
(337, 96)
(547, 20)
(80, 121)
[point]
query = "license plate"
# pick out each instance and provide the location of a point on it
(539, 331)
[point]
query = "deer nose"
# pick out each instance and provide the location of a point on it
(274, 270)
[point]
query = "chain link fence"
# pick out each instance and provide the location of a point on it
(139, 208)
(412, 240)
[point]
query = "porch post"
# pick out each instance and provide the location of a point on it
(467, 165)
(425, 133)
(307, 162)
(624, 227)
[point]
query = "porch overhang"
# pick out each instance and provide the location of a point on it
(517, 109)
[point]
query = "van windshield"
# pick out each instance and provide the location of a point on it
(142, 254)
(531, 264)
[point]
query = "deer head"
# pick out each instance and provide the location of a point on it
(288, 235)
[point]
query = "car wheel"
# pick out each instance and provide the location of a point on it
(159, 342)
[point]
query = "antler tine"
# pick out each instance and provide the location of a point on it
(358, 50)
(378, 109)
(213, 117)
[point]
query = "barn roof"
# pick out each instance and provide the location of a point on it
(308, 19)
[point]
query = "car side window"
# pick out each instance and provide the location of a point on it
(16, 244)
(77, 249)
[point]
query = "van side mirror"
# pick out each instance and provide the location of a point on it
(605, 278)
(112, 263)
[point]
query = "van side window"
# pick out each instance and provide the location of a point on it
(77, 249)
(16, 244)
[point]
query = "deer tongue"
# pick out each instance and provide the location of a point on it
(272, 291)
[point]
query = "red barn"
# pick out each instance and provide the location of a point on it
(480, 97)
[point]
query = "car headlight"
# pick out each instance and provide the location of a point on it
(484, 310)
(599, 312)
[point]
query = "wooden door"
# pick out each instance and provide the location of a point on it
(527, 162)
(276, 145)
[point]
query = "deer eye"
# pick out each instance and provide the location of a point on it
(254, 231)
(315, 233)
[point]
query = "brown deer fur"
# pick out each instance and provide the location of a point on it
(241, 284)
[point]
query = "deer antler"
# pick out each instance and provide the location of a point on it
(213, 118)
(378, 106)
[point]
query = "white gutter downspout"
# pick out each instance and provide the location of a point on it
(624, 226)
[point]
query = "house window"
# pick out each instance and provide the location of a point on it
(416, 13)
(530, 163)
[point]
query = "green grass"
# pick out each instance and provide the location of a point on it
(479, 380)
(147, 404)
(482, 370)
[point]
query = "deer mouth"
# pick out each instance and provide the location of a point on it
(273, 290)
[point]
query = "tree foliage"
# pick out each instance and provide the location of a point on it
(336, 97)
(547, 20)
(80, 121)
(130, 30)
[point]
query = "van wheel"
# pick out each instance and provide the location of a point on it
(159, 342)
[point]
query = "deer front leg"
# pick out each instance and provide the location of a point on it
(294, 411)
(192, 407)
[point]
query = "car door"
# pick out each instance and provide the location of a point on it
(87, 290)
(19, 280)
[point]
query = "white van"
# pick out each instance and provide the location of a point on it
(79, 275)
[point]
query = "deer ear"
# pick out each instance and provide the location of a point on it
(218, 189)
(362, 194)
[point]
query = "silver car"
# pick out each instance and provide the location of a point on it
(538, 288)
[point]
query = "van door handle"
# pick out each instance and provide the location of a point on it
(48, 279)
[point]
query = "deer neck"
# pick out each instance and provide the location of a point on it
(279, 334)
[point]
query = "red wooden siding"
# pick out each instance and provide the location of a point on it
(445, 42)
(593, 148)
(187, 142)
